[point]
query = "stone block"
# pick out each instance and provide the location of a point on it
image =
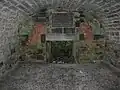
(5, 10)
(1, 6)
(27, 5)
(23, 8)
(2, 1)
(7, 4)
(14, 2)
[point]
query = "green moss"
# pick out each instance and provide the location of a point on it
(25, 28)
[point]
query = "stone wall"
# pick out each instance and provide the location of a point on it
(9, 40)
(89, 53)
(13, 11)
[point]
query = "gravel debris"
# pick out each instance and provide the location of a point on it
(57, 77)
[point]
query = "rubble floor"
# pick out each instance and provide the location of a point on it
(60, 77)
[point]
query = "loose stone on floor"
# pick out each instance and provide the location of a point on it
(60, 77)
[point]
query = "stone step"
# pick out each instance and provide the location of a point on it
(33, 61)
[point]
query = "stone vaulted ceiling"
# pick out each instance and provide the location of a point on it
(109, 9)
(13, 11)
